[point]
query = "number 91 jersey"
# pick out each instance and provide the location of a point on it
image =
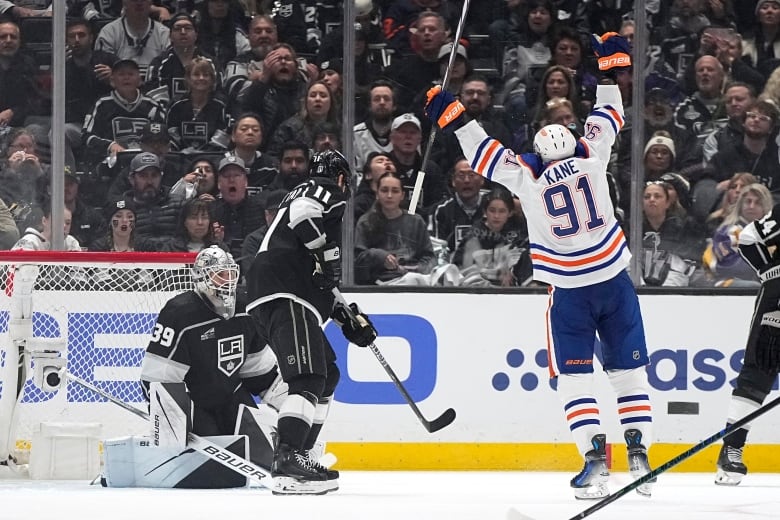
(575, 239)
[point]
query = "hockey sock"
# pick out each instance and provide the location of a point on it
(320, 414)
(738, 408)
(295, 420)
(633, 401)
(581, 408)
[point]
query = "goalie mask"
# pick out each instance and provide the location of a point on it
(329, 164)
(215, 274)
(554, 142)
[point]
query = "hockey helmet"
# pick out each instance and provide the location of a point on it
(554, 142)
(364, 7)
(330, 164)
(215, 274)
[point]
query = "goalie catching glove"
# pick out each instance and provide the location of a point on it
(443, 109)
(328, 266)
(768, 343)
(612, 50)
(355, 325)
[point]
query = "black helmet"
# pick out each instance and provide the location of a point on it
(330, 164)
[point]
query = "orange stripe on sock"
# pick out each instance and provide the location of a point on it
(582, 411)
(640, 408)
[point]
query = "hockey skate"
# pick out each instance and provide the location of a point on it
(591, 482)
(638, 466)
(294, 474)
(331, 475)
(731, 469)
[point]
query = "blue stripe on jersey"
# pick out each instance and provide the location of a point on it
(478, 155)
(584, 422)
(576, 402)
(580, 252)
(568, 272)
(608, 117)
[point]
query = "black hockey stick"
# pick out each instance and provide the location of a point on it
(432, 426)
(216, 453)
(668, 465)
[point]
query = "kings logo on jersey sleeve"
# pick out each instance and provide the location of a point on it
(231, 354)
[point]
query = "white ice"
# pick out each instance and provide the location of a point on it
(400, 495)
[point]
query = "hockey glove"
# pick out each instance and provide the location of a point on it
(328, 270)
(357, 328)
(768, 343)
(443, 109)
(612, 50)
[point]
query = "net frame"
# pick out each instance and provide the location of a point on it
(102, 307)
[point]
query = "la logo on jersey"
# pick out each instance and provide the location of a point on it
(231, 354)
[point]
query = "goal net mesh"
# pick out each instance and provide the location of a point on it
(99, 310)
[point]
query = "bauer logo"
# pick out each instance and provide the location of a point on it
(402, 335)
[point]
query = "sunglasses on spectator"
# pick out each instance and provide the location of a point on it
(758, 115)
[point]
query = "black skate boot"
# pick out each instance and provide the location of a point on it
(638, 466)
(331, 475)
(591, 482)
(294, 474)
(731, 469)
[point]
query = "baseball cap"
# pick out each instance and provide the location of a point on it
(446, 49)
(125, 63)
(68, 172)
(231, 160)
(404, 119)
(182, 16)
(143, 161)
(155, 132)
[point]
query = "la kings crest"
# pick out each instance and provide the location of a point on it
(231, 354)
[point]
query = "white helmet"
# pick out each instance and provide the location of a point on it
(216, 276)
(554, 142)
(363, 7)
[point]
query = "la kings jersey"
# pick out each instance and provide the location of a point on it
(308, 217)
(575, 239)
(120, 120)
(213, 356)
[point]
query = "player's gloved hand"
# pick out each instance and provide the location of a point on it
(768, 343)
(328, 272)
(612, 50)
(444, 110)
(357, 328)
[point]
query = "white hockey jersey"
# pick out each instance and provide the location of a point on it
(575, 238)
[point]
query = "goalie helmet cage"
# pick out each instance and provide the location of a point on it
(99, 309)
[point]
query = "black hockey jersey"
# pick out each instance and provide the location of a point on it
(213, 356)
(167, 71)
(204, 130)
(120, 120)
(308, 217)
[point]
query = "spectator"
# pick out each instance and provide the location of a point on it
(293, 166)
(9, 233)
(86, 222)
(199, 120)
(167, 77)
(18, 96)
(365, 194)
(247, 66)
(702, 112)
(373, 134)
(247, 139)
(38, 238)
(317, 107)
(460, 70)
(236, 211)
(678, 38)
(113, 126)
(21, 173)
(196, 230)
(659, 155)
(276, 94)
(762, 48)
(121, 230)
(727, 268)
(87, 79)
(402, 30)
(406, 137)
(94, 11)
(737, 97)
(327, 136)
(134, 35)
(200, 181)
(496, 248)
(292, 24)
(26, 10)
(411, 74)
(454, 217)
(220, 32)
(156, 210)
(271, 201)
(390, 243)
(331, 72)
(728, 199)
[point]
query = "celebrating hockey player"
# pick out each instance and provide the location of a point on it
(762, 353)
(290, 290)
(578, 248)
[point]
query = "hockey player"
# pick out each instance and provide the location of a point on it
(290, 291)
(578, 248)
(762, 352)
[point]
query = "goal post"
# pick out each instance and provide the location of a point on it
(97, 310)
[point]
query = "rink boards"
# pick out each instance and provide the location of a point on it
(482, 354)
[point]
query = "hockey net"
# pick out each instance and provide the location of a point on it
(98, 309)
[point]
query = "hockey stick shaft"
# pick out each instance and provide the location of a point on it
(216, 453)
(418, 183)
(432, 426)
(678, 459)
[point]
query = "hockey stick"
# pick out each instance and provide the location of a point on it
(432, 426)
(432, 136)
(216, 453)
(668, 465)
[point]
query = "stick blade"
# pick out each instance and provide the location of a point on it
(441, 421)
(514, 514)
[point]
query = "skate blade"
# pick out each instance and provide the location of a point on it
(291, 486)
(592, 492)
(646, 489)
(728, 478)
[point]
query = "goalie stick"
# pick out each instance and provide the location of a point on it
(432, 426)
(513, 514)
(216, 453)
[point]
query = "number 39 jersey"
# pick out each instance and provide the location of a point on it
(213, 356)
(575, 239)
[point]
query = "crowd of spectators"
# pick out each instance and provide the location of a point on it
(186, 120)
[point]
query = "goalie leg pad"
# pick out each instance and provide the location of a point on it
(259, 425)
(170, 414)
